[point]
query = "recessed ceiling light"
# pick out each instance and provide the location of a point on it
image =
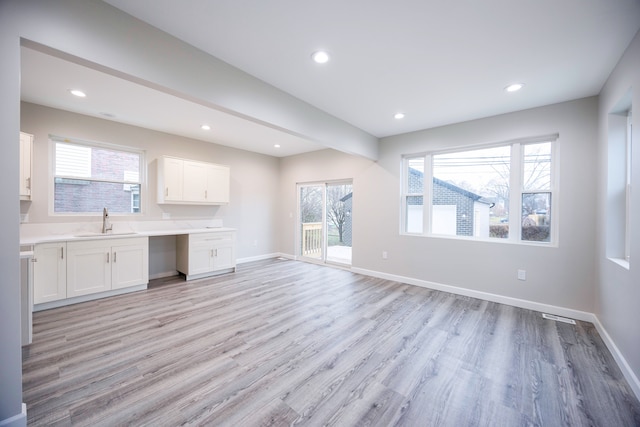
(514, 87)
(78, 93)
(398, 116)
(205, 127)
(276, 145)
(320, 57)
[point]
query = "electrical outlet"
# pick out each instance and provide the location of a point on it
(522, 274)
(385, 255)
(166, 215)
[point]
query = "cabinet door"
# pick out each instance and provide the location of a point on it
(130, 264)
(195, 182)
(49, 272)
(200, 258)
(224, 257)
(171, 176)
(88, 268)
(218, 180)
(26, 148)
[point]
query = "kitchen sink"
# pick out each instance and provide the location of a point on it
(123, 233)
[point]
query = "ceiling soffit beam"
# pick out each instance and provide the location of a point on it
(101, 36)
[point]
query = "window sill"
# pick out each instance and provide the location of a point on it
(621, 262)
(484, 240)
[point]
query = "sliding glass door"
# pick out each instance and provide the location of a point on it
(326, 222)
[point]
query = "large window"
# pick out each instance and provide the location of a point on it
(90, 177)
(502, 192)
(618, 218)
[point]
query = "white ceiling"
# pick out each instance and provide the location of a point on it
(439, 62)
(46, 79)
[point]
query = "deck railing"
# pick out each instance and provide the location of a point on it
(312, 239)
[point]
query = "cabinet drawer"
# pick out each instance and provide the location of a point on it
(210, 237)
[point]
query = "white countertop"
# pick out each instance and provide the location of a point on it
(31, 234)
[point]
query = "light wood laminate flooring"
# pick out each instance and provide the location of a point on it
(282, 342)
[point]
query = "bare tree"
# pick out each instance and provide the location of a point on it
(311, 204)
(336, 210)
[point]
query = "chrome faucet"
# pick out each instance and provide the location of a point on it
(106, 224)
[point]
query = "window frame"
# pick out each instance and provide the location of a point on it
(628, 178)
(54, 139)
(405, 194)
(516, 186)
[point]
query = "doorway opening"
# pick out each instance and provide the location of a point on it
(326, 222)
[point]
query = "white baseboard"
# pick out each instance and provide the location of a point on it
(263, 257)
(628, 373)
(516, 302)
(85, 298)
(164, 274)
(18, 420)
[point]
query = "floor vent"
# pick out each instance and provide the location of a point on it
(558, 318)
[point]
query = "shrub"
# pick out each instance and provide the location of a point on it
(536, 233)
(499, 230)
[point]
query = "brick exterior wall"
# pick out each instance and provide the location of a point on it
(90, 196)
(443, 194)
(446, 194)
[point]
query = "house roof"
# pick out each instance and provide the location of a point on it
(419, 176)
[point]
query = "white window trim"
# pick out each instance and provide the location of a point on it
(628, 154)
(404, 194)
(53, 139)
(515, 200)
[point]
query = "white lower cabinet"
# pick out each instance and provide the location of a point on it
(130, 266)
(88, 267)
(205, 254)
(49, 272)
(102, 265)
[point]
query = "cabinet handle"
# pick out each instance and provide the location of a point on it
(205, 194)
(34, 259)
(108, 257)
(114, 256)
(61, 253)
(166, 192)
(216, 255)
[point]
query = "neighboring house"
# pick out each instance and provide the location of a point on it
(456, 211)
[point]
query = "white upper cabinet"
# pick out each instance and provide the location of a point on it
(217, 184)
(170, 179)
(183, 181)
(195, 181)
(26, 148)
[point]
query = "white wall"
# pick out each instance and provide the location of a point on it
(10, 352)
(561, 276)
(254, 179)
(617, 288)
(319, 166)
